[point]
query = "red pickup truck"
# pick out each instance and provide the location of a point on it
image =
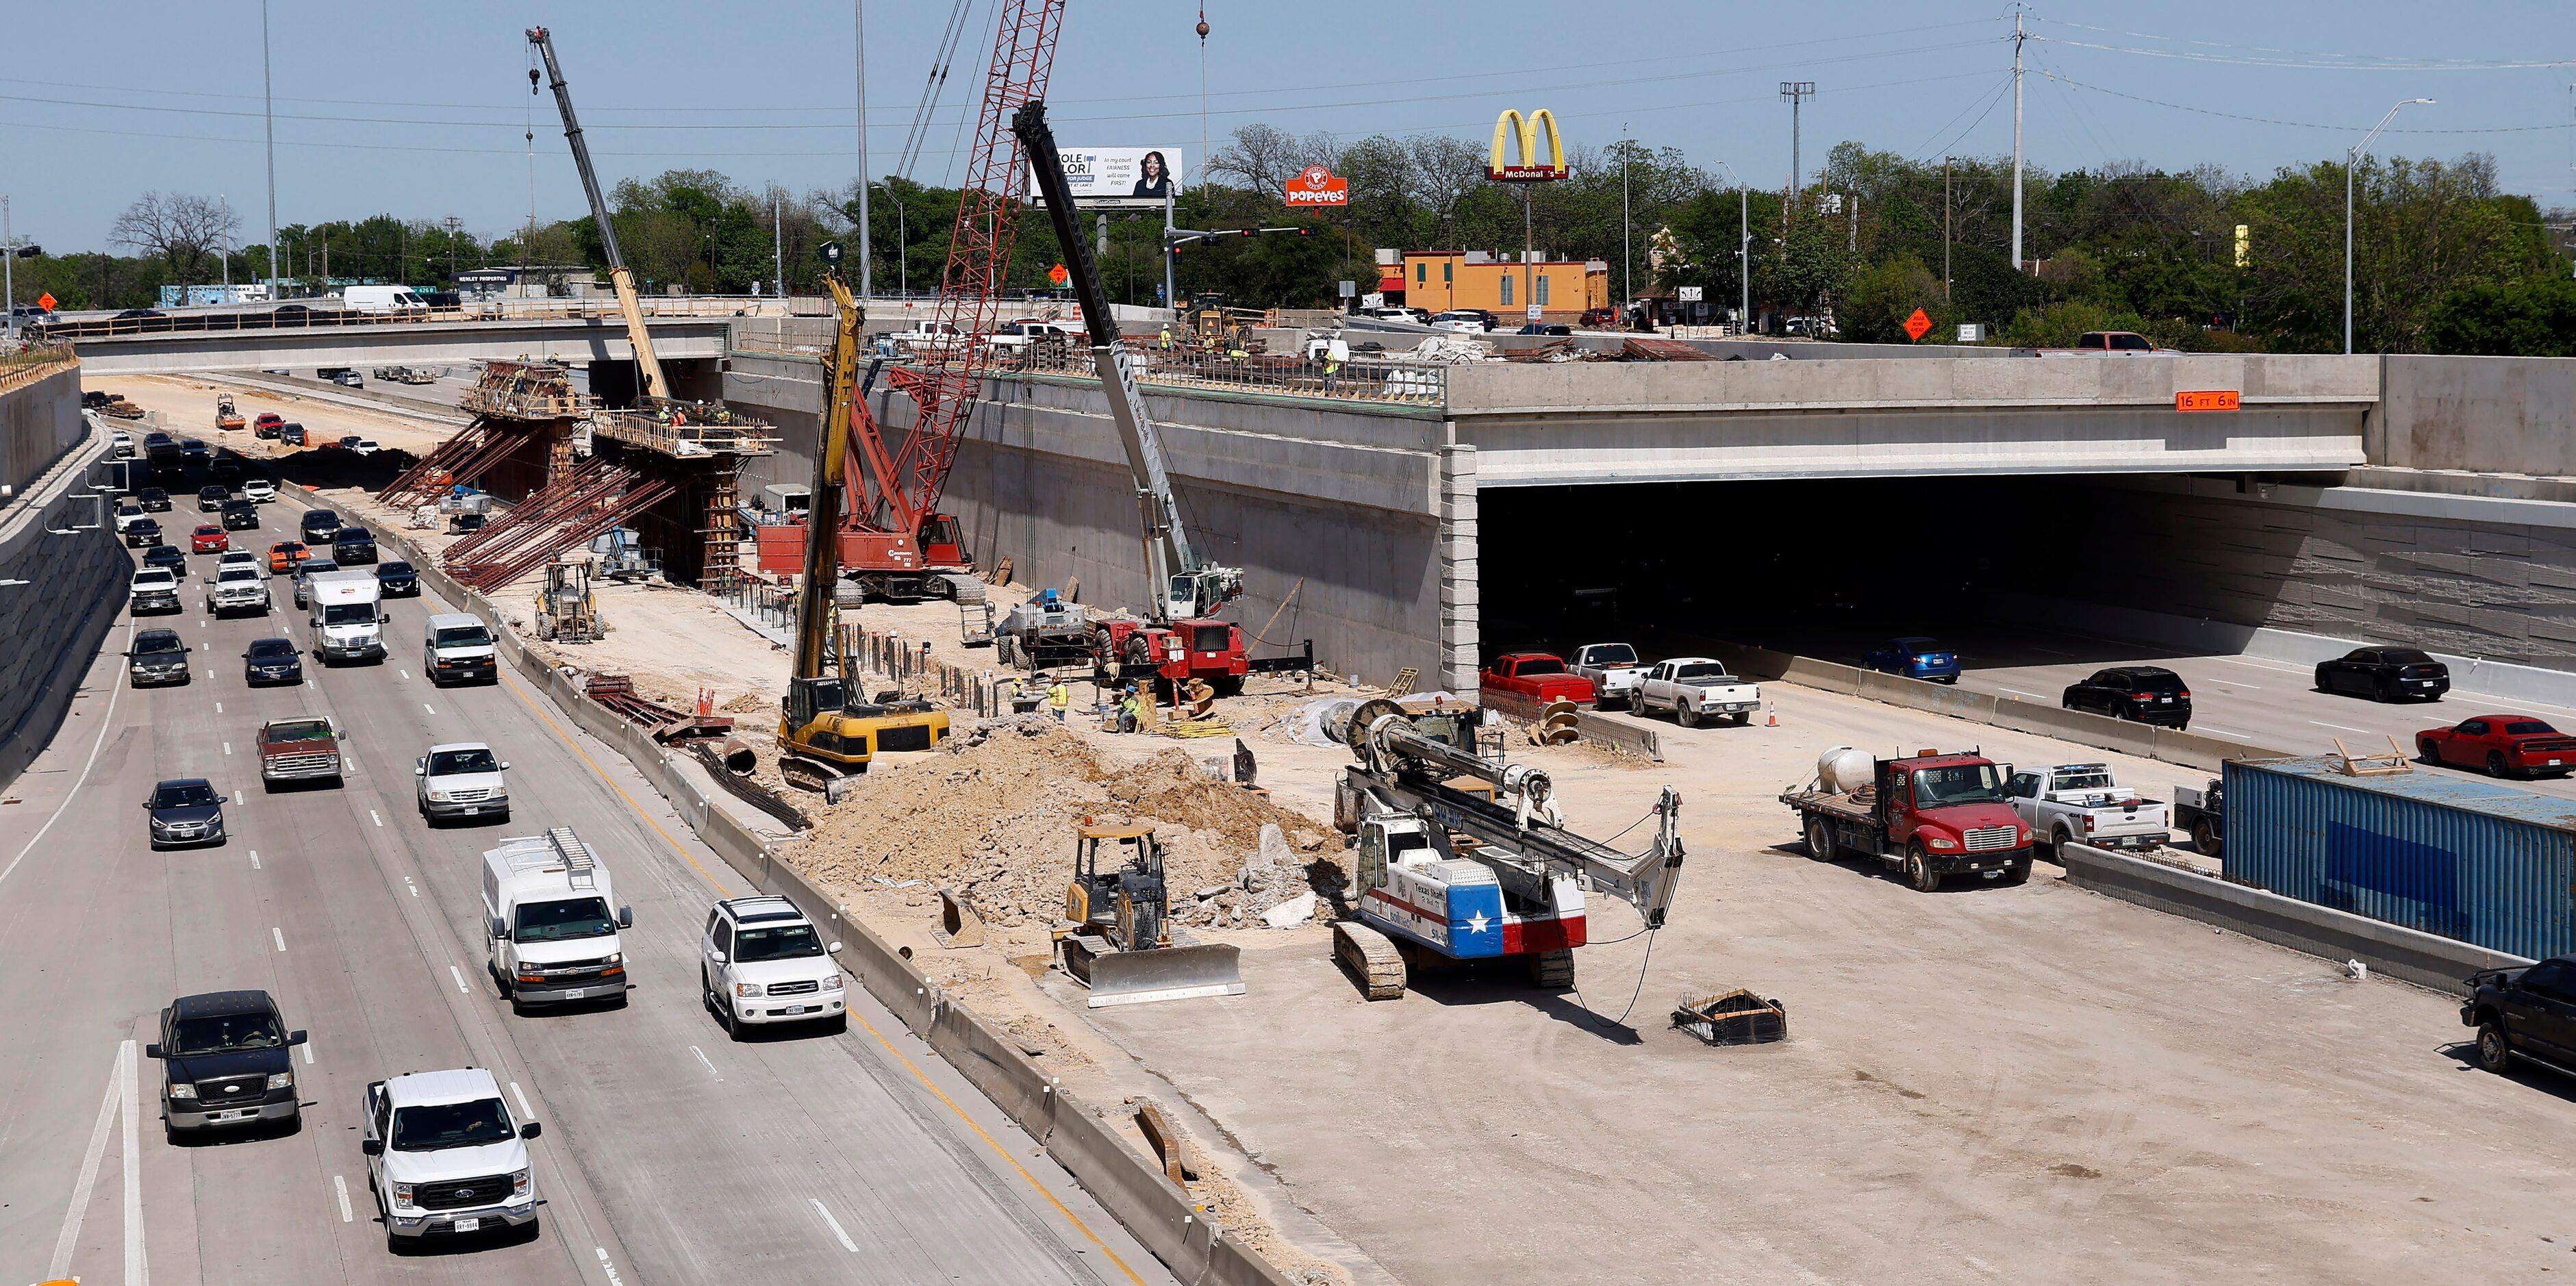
(1535, 676)
(299, 749)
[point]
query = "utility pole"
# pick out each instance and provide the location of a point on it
(268, 110)
(8, 276)
(1855, 223)
(859, 19)
(1945, 229)
(453, 223)
(1797, 92)
(778, 244)
(1627, 256)
(2017, 38)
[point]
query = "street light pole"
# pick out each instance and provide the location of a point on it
(903, 244)
(2350, 159)
(1627, 255)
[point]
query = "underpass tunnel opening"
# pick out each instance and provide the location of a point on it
(1832, 568)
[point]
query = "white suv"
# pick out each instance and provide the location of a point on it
(462, 779)
(445, 1156)
(764, 962)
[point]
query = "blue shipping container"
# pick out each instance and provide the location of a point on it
(2464, 859)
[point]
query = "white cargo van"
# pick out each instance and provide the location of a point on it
(455, 647)
(546, 911)
(347, 618)
(383, 299)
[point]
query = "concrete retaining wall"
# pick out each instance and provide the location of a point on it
(51, 626)
(1075, 1134)
(39, 421)
(2420, 958)
(2487, 414)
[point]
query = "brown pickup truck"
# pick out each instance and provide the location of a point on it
(301, 749)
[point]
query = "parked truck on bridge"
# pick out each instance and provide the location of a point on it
(1928, 815)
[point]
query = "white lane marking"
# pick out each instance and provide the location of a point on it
(2035, 696)
(607, 1267)
(702, 1062)
(106, 721)
(842, 1237)
(254, 859)
(340, 1187)
(137, 1271)
(2050, 650)
(88, 1181)
(219, 707)
(2224, 732)
(522, 1096)
(459, 976)
(425, 706)
(308, 683)
(2267, 665)
(415, 889)
(308, 1053)
(404, 673)
(371, 816)
(2345, 727)
(279, 934)
(228, 747)
(237, 797)
(2235, 684)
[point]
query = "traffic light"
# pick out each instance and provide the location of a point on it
(1305, 232)
(30, 252)
(1252, 232)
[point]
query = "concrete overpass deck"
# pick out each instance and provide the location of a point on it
(571, 338)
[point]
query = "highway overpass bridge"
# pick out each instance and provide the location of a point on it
(394, 341)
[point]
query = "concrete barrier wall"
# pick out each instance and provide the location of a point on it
(1121, 1178)
(2487, 414)
(40, 419)
(2420, 958)
(74, 591)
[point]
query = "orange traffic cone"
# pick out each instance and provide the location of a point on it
(1774, 707)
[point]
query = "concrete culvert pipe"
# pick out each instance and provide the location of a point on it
(738, 757)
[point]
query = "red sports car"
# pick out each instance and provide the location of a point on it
(2505, 745)
(209, 540)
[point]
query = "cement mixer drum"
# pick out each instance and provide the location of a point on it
(1844, 769)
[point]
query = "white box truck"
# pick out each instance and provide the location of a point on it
(347, 616)
(547, 914)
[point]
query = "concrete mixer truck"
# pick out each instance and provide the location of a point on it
(1929, 815)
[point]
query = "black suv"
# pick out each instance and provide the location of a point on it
(241, 515)
(319, 526)
(2527, 1013)
(2385, 674)
(159, 656)
(225, 1062)
(397, 579)
(353, 545)
(2139, 693)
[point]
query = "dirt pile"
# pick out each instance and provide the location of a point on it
(994, 818)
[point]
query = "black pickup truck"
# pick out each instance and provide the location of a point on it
(2527, 1013)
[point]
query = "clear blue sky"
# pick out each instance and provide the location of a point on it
(418, 109)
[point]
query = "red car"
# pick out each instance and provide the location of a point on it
(2504, 745)
(209, 540)
(1534, 676)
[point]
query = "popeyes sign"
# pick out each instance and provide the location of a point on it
(1316, 185)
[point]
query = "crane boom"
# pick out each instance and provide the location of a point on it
(1167, 541)
(646, 365)
(823, 517)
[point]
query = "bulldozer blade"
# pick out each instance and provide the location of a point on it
(959, 926)
(1166, 973)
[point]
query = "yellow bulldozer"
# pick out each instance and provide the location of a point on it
(1116, 936)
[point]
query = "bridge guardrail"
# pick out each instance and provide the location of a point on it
(32, 362)
(490, 311)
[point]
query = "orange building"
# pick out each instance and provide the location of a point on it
(1439, 280)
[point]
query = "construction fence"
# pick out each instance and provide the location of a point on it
(1361, 378)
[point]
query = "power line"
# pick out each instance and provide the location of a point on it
(2335, 61)
(2269, 120)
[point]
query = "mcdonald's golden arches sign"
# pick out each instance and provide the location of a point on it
(1532, 166)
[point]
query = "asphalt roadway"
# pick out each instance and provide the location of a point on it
(671, 1154)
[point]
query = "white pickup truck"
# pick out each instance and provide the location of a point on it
(2085, 804)
(1613, 669)
(1696, 689)
(236, 587)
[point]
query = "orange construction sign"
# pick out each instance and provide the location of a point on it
(1058, 275)
(46, 301)
(2219, 399)
(1918, 326)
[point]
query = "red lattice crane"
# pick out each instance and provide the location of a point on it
(894, 540)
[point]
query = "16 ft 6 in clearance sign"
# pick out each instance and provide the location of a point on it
(1319, 186)
(2215, 399)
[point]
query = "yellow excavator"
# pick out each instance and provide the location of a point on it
(827, 733)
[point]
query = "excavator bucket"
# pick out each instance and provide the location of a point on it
(1164, 973)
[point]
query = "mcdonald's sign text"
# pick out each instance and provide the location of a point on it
(1530, 165)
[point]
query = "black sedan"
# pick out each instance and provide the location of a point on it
(2141, 693)
(165, 556)
(272, 661)
(397, 579)
(2385, 674)
(155, 500)
(185, 810)
(142, 533)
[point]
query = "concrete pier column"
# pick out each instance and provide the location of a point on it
(1459, 640)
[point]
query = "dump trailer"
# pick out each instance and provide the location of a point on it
(1116, 937)
(1465, 860)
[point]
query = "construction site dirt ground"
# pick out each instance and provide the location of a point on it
(1980, 1084)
